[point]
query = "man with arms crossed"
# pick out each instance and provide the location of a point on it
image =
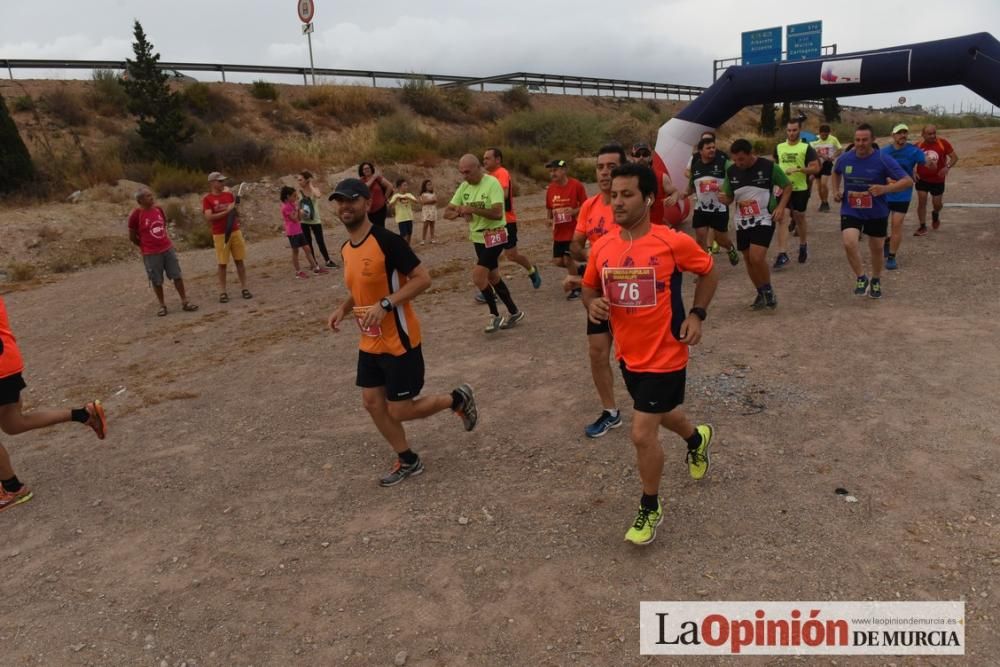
(633, 280)
(383, 276)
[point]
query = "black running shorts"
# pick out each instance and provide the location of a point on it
(655, 393)
(10, 389)
(488, 257)
(402, 376)
(877, 228)
(936, 189)
(757, 235)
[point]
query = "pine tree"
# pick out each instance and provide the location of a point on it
(831, 109)
(767, 119)
(16, 167)
(162, 123)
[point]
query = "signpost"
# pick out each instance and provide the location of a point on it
(306, 10)
(804, 40)
(762, 46)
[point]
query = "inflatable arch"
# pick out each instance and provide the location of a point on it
(972, 60)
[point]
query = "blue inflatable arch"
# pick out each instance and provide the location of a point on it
(972, 60)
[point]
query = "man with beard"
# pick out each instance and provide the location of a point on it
(633, 280)
(383, 276)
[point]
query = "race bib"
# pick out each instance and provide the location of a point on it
(708, 186)
(859, 199)
(630, 287)
(824, 152)
(494, 237)
(374, 330)
(748, 208)
(562, 217)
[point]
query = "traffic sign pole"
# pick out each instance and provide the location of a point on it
(312, 67)
(306, 9)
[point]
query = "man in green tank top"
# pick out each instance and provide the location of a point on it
(799, 161)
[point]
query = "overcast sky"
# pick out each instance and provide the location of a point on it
(671, 41)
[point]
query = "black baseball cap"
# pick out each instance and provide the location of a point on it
(555, 163)
(351, 188)
(640, 146)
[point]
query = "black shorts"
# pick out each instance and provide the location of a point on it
(10, 389)
(405, 228)
(877, 228)
(298, 241)
(717, 220)
(799, 200)
(757, 235)
(488, 257)
(511, 236)
(402, 376)
(936, 189)
(899, 206)
(826, 169)
(602, 328)
(655, 393)
(560, 248)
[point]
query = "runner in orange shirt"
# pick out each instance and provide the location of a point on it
(493, 163)
(383, 276)
(563, 199)
(13, 420)
(633, 280)
(595, 220)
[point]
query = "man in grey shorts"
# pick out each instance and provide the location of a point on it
(147, 228)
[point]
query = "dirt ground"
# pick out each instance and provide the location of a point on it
(232, 517)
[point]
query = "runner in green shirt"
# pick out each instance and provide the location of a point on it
(479, 199)
(799, 161)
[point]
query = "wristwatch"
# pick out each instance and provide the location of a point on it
(387, 305)
(700, 312)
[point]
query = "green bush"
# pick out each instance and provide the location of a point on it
(107, 96)
(572, 133)
(348, 104)
(398, 138)
(207, 102)
(23, 103)
(209, 152)
(199, 236)
(170, 181)
(517, 98)
(262, 90)
(65, 105)
(427, 100)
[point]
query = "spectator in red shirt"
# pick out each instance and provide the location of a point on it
(147, 228)
(563, 200)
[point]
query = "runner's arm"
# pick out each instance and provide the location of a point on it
(951, 160)
(494, 212)
(598, 308)
(576, 247)
(417, 281)
(340, 313)
(703, 293)
(838, 194)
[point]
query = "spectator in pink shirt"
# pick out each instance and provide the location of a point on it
(147, 228)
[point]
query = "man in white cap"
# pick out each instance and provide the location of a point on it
(219, 209)
(908, 156)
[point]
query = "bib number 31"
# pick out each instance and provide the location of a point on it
(632, 287)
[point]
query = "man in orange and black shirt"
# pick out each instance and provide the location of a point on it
(633, 280)
(383, 276)
(13, 492)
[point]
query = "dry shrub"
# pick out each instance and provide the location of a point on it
(428, 100)
(207, 102)
(517, 98)
(262, 90)
(350, 146)
(224, 150)
(20, 272)
(284, 119)
(107, 96)
(47, 233)
(23, 103)
(170, 181)
(66, 106)
(399, 138)
(350, 105)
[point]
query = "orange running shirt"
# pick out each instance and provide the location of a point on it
(11, 362)
(596, 219)
(571, 195)
(649, 275)
(374, 269)
(502, 175)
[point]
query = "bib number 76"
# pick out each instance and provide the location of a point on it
(630, 287)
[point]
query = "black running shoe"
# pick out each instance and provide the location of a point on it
(401, 471)
(467, 410)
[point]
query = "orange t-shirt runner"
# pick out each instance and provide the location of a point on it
(936, 153)
(595, 220)
(571, 195)
(11, 362)
(502, 175)
(642, 280)
(374, 269)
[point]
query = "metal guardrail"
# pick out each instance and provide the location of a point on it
(533, 81)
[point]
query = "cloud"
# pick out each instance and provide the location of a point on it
(76, 47)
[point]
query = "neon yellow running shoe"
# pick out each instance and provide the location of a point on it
(643, 530)
(698, 459)
(715, 248)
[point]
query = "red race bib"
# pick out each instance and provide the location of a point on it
(494, 237)
(708, 185)
(749, 208)
(374, 330)
(859, 199)
(630, 287)
(562, 217)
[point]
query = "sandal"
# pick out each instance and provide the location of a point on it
(223, 298)
(246, 294)
(189, 307)
(162, 311)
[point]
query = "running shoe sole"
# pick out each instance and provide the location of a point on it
(18, 500)
(418, 470)
(652, 537)
(468, 410)
(98, 421)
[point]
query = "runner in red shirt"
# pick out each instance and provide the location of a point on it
(595, 220)
(633, 280)
(563, 199)
(13, 421)
(147, 228)
(930, 176)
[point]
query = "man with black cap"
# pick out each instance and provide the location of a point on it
(383, 276)
(479, 199)
(563, 199)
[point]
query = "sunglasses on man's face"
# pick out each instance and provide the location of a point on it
(642, 154)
